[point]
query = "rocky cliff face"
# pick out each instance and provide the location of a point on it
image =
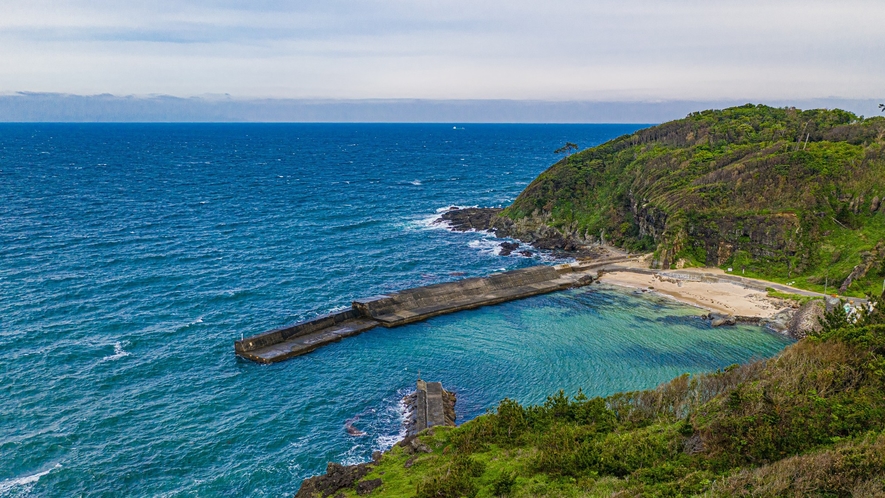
(730, 187)
(534, 230)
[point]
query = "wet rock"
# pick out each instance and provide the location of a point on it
(337, 478)
(366, 487)
(376, 456)
(462, 220)
(508, 247)
(527, 254)
(719, 320)
(807, 319)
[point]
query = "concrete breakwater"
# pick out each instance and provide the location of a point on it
(429, 406)
(412, 305)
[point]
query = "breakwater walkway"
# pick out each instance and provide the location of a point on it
(430, 406)
(413, 305)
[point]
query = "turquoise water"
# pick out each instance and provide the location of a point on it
(132, 256)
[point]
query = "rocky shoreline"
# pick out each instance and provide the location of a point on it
(339, 478)
(532, 231)
(410, 402)
(789, 319)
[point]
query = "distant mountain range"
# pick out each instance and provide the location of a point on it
(58, 107)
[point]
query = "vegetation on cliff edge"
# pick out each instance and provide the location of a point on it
(782, 194)
(809, 422)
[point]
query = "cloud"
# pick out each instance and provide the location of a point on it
(558, 50)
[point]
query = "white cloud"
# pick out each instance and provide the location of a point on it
(557, 50)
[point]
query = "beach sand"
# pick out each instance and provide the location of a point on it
(720, 297)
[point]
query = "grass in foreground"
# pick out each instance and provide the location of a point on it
(809, 422)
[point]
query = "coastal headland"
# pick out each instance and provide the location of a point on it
(728, 297)
(753, 213)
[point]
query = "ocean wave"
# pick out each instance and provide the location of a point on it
(396, 412)
(23, 485)
(353, 456)
(119, 352)
(488, 246)
(453, 206)
(434, 221)
(190, 324)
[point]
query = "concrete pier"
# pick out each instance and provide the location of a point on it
(429, 406)
(413, 305)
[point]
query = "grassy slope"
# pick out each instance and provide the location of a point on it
(737, 188)
(810, 422)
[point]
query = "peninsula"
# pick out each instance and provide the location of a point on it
(787, 204)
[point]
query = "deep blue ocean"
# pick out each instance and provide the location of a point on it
(132, 256)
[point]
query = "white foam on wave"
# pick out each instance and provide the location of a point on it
(352, 456)
(119, 352)
(415, 182)
(488, 246)
(398, 412)
(337, 309)
(25, 483)
(449, 208)
(434, 221)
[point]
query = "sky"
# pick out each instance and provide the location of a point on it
(552, 51)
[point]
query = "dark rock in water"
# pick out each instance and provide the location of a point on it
(527, 254)
(718, 320)
(337, 478)
(462, 220)
(351, 430)
(806, 320)
(535, 232)
(366, 487)
(508, 247)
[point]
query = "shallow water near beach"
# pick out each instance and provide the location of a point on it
(132, 256)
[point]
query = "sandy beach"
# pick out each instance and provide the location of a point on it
(689, 286)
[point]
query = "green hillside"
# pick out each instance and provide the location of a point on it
(782, 194)
(809, 422)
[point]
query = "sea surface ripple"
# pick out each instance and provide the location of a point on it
(132, 256)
